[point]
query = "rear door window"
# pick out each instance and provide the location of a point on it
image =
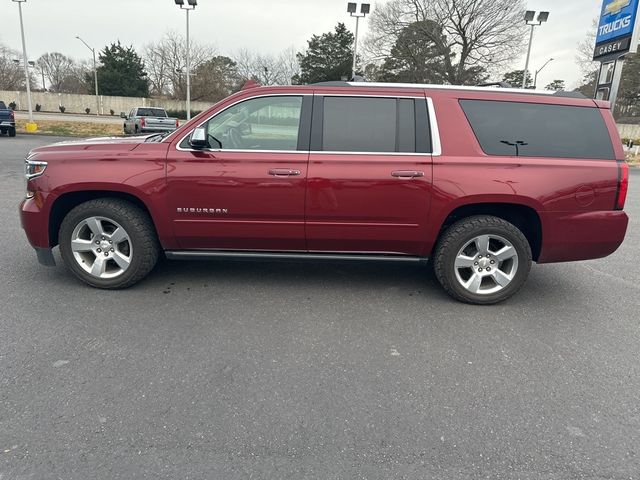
(538, 130)
(372, 124)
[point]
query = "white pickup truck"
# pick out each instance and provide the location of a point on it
(148, 120)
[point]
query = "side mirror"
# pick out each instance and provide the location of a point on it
(198, 138)
(123, 115)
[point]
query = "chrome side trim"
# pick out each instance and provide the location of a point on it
(436, 145)
(270, 256)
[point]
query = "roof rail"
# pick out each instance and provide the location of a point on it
(503, 87)
(563, 93)
(332, 83)
(495, 84)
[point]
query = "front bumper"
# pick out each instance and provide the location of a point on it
(35, 222)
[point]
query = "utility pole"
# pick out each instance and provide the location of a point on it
(364, 10)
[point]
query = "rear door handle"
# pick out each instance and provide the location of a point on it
(407, 174)
(284, 172)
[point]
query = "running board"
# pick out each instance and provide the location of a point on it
(271, 256)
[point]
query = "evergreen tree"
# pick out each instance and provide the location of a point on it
(515, 78)
(121, 73)
(328, 57)
(414, 57)
(556, 85)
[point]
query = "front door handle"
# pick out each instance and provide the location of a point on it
(284, 172)
(407, 174)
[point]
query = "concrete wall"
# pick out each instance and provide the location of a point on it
(629, 131)
(77, 103)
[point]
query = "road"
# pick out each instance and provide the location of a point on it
(301, 371)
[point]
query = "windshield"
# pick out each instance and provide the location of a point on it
(152, 112)
(2, 105)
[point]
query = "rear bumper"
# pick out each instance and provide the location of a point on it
(570, 236)
(7, 124)
(154, 129)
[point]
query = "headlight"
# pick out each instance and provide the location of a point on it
(34, 168)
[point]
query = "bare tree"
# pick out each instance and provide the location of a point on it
(165, 63)
(11, 73)
(473, 36)
(584, 57)
(75, 79)
(268, 69)
(56, 67)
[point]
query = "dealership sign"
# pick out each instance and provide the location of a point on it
(617, 28)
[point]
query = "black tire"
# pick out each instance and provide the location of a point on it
(124, 128)
(12, 132)
(3, 131)
(143, 249)
(462, 234)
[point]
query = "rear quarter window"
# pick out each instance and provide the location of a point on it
(538, 130)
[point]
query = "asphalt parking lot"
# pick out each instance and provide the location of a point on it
(229, 370)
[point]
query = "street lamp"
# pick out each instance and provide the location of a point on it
(31, 126)
(95, 73)
(191, 5)
(529, 20)
(364, 9)
(535, 78)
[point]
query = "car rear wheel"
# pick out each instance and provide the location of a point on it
(482, 260)
(12, 132)
(108, 243)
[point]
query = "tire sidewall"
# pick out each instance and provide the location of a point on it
(519, 242)
(83, 212)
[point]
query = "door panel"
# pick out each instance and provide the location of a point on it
(368, 202)
(245, 194)
(230, 200)
(356, 204)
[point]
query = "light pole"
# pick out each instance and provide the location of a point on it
(364, 9)
(31, 126)
(529, 20)
(191, 5)
(95, 73)
(535, 78)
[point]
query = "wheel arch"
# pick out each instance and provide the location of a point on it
(524, 217)
(67, 201)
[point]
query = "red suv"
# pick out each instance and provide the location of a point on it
(481, 181)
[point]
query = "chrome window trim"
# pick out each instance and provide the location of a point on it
(436, 145)
(228, 107)
(395, 154)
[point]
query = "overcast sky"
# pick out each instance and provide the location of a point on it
(268, 26)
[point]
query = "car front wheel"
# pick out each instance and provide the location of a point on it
(482, 260)
(108, 243)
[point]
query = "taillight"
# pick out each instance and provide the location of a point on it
(142, 121)
(12, 115)
(623, 185)
(177, 123)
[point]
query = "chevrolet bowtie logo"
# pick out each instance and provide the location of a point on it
(616, 6)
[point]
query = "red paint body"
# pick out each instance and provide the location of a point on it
(339, 202)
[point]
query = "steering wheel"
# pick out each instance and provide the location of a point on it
(235, 138)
